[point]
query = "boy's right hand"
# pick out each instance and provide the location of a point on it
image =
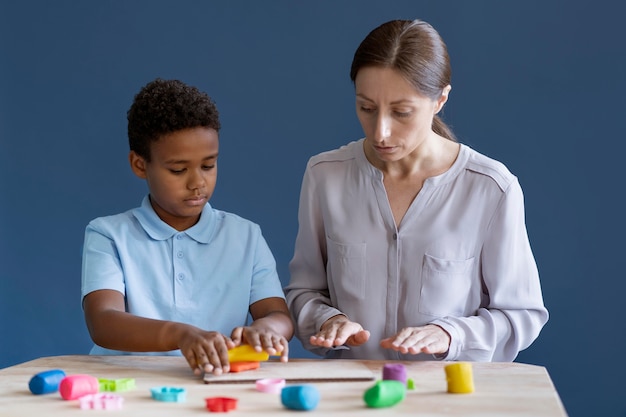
(205, 351)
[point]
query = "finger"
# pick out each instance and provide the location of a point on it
(236, 335)
(393, 343)
(323, 340)
(230, 343)
(252, 337)
(222, 355)
(203, 362)
(284, 356)
(359, 338)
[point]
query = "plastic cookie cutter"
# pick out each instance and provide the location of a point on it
(270, 385)
(300, 397)
(169, 394)
(220, 404)
(101, 402)
(116, 385)
(75, 386)
(46, 382)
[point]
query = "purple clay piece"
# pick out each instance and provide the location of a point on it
(394, 371)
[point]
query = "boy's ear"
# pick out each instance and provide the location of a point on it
(137, 164)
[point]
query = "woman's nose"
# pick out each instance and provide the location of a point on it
(383, 128)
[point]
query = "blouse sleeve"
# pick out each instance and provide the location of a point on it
(512, 312)
(307, 293)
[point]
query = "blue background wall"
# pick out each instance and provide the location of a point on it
(538, 85)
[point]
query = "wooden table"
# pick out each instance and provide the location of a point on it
(501, 389)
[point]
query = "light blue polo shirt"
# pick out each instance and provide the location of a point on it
(206, 276)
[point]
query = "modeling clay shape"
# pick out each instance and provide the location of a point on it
(244, 366)
(46, 382)
(116, 385)
(394, 371)
(410, 384)
(169, 394)
(385, 393)
(270, 385)
(101, 402)
(459, 377)
(221, 404)
(300, 397)
(75, 386)
(246, 353)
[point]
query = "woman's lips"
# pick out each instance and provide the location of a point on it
(384, 149)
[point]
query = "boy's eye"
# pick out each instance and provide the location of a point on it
(208, 167)
(177, 171)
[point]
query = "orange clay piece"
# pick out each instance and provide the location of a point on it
(244, 366)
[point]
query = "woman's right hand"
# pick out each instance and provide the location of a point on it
(337, 331)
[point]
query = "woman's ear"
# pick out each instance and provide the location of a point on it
(443, 98)
(137, 164)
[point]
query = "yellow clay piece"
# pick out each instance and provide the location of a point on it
(246, 353)
(459, 377)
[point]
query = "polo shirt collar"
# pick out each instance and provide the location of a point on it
(157, 229)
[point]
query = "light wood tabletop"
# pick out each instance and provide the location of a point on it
(501, 389)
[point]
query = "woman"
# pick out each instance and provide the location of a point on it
(411, 246)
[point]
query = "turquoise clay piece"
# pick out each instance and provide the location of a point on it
(300, 397)
(385, 394)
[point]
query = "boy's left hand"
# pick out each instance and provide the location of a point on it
(262, 339)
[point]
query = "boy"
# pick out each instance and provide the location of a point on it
(175, 275)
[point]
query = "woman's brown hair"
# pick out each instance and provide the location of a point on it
(415, 49)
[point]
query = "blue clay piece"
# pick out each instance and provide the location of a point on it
(300, 397)
(46, 382)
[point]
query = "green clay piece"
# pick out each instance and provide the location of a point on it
(410, 384)
(385, 393)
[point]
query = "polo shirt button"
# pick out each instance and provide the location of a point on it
(181, 277)
(179, 254)
(179, 236)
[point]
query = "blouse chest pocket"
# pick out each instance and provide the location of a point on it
(346, 269)
(445, 286)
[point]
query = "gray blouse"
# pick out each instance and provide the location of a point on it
(460, 259)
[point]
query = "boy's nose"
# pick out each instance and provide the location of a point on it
(196, 181)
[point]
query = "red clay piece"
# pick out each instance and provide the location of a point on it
(220, 404)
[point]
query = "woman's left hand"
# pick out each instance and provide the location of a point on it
(430, 339)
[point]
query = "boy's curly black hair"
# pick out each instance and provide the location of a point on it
(166, 106)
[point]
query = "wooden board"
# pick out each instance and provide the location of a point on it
(299, 371)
